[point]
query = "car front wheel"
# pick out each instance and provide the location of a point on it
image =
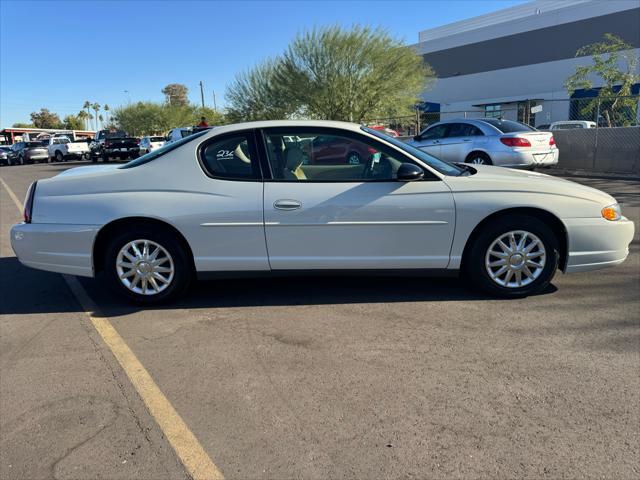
(147, 266)
(514, 257)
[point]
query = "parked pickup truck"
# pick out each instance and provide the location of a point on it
(109, 144)
(61, 148)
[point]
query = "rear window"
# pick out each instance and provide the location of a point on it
(156, 139)
(33, 144)
(508, 126)
(118, 134)
(161, 151)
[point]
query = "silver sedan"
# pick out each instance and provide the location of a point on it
(488, 141)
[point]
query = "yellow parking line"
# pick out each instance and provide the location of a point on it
(12, 195)
(195, 460)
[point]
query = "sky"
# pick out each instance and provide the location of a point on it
(57, 54)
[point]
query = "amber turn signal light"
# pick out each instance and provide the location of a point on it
(611, 213)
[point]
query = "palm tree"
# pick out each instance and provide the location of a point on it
(101, 118)
(96, 108)
(106, 111)
(87, 107)
(84, 116)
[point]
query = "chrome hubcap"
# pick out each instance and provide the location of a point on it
(515, 259)
(478, 161)
(145, 267)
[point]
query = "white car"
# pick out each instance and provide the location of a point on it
(572, 124)
(179, 133)
(149, 144)
(239, 199)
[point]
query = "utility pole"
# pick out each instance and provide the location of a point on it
(202, 93)
(214, 100)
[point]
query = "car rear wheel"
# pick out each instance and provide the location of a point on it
(59, 157)
(515, 256)
(147, 265)
(479, 159)
(353, 159)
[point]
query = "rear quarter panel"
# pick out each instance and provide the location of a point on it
(172, 189)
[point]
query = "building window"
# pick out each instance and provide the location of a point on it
(493, 111)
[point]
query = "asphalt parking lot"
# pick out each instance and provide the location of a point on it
(326, 377)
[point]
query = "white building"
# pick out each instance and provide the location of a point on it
(505, 62)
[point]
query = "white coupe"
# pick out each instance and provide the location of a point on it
(308, 196)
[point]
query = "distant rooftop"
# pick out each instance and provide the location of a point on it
(508, 21)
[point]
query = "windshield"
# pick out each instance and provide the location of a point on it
(508, 126)
(161, 151)
(442, 167)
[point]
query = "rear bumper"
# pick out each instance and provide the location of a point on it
(525, 159)
(596, 243)
(55, 248)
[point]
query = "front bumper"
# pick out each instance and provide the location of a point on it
(55, 248)
(596, 243)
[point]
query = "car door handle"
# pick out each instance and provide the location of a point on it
(466, 139)
(286, 204)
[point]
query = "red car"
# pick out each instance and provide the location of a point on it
(383, 129)
(329, 150)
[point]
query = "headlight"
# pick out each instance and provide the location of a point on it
(612, 212)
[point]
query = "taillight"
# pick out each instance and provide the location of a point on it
(28, 203)
(515, 142)
(106, 143)
(372, 150)
(552, 141)
(138, 141)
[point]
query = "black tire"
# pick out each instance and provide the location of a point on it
(474, 262)
(182, 265)
(105, 158)
(478, 158)
(21, 159)
(353, 158)
(59, 156)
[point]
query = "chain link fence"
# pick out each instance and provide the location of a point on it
(609, 112)
(611, 143)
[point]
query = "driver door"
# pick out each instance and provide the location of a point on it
(341, 216)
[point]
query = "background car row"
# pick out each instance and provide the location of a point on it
(487, 141)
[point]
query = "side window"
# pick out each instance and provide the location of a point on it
(458, 130)
(474, 131)
(317, 155)
(435, 133)
(230, 157)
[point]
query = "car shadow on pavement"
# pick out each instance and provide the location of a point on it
(25, 291)
(295, 291)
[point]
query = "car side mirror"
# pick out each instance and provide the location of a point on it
(408, 172)
(417, 138)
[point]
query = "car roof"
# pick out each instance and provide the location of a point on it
(284, 123)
